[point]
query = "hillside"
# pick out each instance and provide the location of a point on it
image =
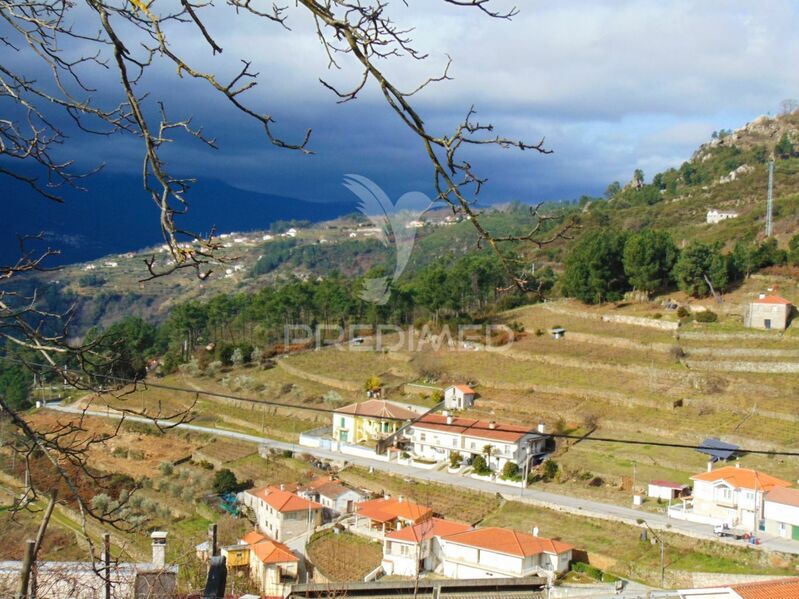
(728, 173)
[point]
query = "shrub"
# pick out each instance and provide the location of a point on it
(119, 452)
(480, 466)
(676, 352)
(539, 332)
(657, 316)
(587, 569)
(510, 471)
(683, 312)
(166, 468)
(454, 460)
(101, 503)
(707, 316)
(550, 470)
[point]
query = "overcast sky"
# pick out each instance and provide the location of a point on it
(613, 86)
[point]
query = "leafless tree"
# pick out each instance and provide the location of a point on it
(72, 48)
(788, 106)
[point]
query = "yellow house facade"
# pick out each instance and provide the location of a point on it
(370, 420)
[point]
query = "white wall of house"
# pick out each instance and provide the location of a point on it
(780, 519)
(401, 559)
(735, 507)
(344, 428)
(455, 399)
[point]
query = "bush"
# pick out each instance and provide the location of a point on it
(657, 316)
(539, 332)
(707, 316)
(683, 312)
(480, 466)
(510, 471)
(225, 482)
(588, 570)
(454, 460)
(550, 470)
(166, 468)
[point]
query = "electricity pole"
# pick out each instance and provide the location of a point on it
(770, 201)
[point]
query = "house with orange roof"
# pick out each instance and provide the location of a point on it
(271, 564)
(502, 553)
(459, 397)
(386, 514)
(731, 496)
(768, 312)
(436, 436)
(781, 513)
(280, 513)
(779, 588)
(414, 549)
(370, 420)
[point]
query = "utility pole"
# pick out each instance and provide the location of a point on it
(770, 202)
(107, 564)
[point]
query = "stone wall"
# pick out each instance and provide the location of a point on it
(733, 366)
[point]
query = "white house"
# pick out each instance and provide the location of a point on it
(458, 397)
(415, 549)
(83, 580)
(714, 216)
(280, 513)
(731, 495)
(435, 437)
(781, 513)
(336, 497)
(272, 565)
(502, 553)
(768, 312)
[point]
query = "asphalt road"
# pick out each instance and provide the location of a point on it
(533, 496)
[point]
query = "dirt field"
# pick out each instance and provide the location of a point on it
(344, 557)
(135, 454)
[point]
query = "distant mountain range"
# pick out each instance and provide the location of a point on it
(115, 215)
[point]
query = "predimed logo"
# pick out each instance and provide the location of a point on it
(396, 223)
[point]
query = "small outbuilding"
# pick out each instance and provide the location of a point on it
(667, 490)
(458, 397)
(558, 333)
(768, 312)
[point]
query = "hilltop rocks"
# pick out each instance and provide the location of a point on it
(744, 169)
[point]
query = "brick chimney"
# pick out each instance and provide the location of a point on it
(492, 425)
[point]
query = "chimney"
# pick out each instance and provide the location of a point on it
(449, 419)
(401, 498)
(737, 464)
(541, 427)
(535, 531)
(386, 496)
(445, 413)
(159, 548)
(492, 425)
(710, 465)
(282, 487)
(761, 296)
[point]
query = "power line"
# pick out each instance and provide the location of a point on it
(324, 410)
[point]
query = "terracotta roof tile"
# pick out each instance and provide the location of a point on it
(784, 496)
(480, 429)
(389, 509)
(433, 527)
(742, 478)
(272, 552)
(509, 542)
(464, 388)
(667, 484)
(378, 408)
(768, 589)
(282, 500)
(772, 299)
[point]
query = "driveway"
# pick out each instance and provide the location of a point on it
(532, 496)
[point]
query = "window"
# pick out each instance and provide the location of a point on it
(421, 436)
(342, 422)
(455, 441)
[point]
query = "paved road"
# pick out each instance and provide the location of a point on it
(565, 503)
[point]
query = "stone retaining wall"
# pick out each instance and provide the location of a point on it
(639, 321)
(318, 378)
(731, 366)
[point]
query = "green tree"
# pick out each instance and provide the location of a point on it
(785, 148)
(698, 264)
(649, 258)
(638, 177)
(16, 384)
(612, 190)
(595, 267)
(793, 250)
(510, 470)
(225, 482)
(373, 383)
